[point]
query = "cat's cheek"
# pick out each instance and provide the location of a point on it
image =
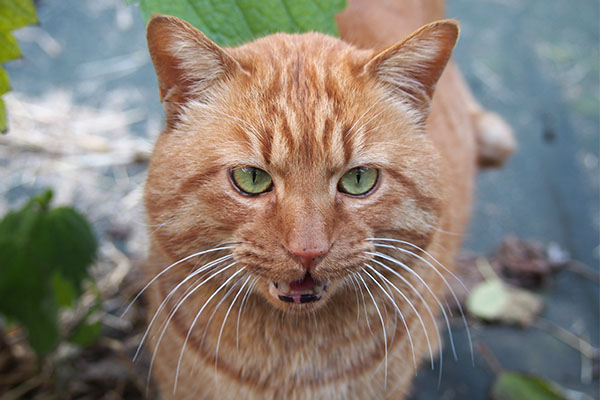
(364, 213)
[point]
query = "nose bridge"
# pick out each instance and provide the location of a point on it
(308, 228)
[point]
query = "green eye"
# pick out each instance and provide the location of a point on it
(251, 181)
(358, 181)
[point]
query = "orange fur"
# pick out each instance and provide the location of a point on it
(376, 24)
(306, 109)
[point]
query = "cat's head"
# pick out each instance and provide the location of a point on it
(294, 151)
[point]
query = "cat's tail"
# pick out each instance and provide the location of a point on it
(494, 137)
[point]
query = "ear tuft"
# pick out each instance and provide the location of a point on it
(411, 68)
(187, 63)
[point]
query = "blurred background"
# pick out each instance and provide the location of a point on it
(84, 113)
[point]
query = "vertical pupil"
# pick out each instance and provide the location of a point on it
(358, 175)
(254, 173)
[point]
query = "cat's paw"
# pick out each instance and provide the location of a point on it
(495, 139)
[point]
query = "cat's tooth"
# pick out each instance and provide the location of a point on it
(284, 287)
(317, 288)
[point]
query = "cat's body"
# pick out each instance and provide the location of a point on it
(375, 24)
(306, 109)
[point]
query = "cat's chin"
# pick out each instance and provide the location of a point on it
(301, 295)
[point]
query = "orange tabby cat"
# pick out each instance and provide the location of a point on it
(301, 207)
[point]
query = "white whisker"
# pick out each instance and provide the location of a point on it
(375, 115)
(395, 316)
(233, 117)
(172, 313)
(382, 328)
(460, 282)
(156, 226)
(412, 347)
(237, 325)
(411, 271)
(187, 336)
(445, 282)
(166, 299)
(364, 303)
(401, 316)
(225, 318)
(429, 311)
(216, 308)
(167, 269)
(357, 299)
(363, 115)
(448, 307)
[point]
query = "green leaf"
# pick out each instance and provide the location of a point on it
(15, 14)
(233, 22)
(65, 294)
(4, 85)
(86, 334)
(45, 254)
(42, 327)
(18, 225)
(9, 48)
(25, 298)
(516, 386)
(3, 119)
(73, 244)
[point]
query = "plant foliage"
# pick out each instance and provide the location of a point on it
(517, 386)
(45, 254)
(233, 22)
(14, 14)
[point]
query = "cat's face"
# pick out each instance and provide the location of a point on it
(293, 151)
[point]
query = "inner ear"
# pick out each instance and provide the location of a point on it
(187, 63)
(411, 68)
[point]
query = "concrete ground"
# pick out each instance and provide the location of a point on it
(535, 62)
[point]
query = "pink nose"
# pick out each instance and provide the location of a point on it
(309, 258)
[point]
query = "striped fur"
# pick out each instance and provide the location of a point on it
(306, 109)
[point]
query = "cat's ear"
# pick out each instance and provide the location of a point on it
(187, 63)
(411, 68)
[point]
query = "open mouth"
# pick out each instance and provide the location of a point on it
(305, 290)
